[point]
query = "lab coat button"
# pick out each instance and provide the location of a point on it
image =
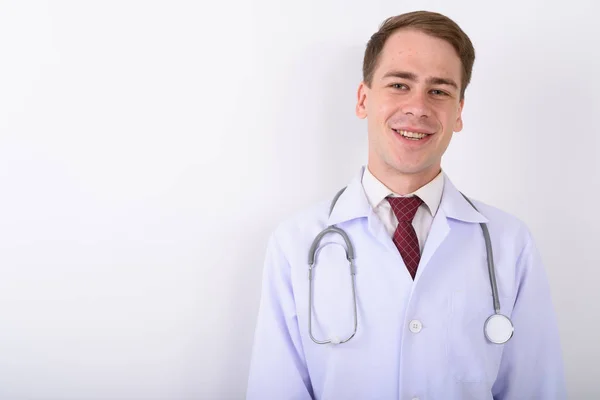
(415, 326)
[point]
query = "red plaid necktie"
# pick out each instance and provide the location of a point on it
(405, 237)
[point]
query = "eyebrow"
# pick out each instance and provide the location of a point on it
(413, 77)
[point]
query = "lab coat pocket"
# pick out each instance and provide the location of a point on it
(471, 357)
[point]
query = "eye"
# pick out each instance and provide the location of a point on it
(438, 92)
(400, 86)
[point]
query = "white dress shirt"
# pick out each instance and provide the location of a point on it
(431, 194)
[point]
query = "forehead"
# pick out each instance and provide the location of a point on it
(417, 52)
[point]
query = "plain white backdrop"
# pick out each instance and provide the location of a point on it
(148, 148)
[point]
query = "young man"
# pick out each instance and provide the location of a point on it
(408, 322)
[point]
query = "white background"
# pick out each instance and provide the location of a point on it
(148, 148)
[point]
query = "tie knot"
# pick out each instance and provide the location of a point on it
(405, 208)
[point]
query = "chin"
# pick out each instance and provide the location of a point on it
(411, 169)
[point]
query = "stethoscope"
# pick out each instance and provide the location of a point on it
(498, 328)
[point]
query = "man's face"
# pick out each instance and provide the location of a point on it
(415, 92)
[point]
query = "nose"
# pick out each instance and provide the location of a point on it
(416, 105)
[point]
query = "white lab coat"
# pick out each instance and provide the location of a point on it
(447, 356)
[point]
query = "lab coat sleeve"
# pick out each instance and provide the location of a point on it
(532, 366)
(278, 368)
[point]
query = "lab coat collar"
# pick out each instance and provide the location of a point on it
(456, 207)
(353, 203)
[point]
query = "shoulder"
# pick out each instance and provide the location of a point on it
(291, 239)
(303, 220)
(504, 225)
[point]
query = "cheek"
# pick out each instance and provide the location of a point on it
(384, 110)
(448, 119)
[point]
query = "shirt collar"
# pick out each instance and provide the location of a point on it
(376, 191)
(353, 202)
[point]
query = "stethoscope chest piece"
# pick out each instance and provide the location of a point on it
(498, 329)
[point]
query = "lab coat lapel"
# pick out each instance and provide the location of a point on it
(452, 206)
(353, 204)
(437, 234)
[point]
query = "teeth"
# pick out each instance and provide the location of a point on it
(411, 135)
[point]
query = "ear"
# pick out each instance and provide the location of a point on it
(361, 103)
(458, 124)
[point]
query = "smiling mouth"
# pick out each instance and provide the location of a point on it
(411, 135)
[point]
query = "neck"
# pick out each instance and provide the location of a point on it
(404, 183)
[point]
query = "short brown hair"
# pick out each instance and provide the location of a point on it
(431, 23)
